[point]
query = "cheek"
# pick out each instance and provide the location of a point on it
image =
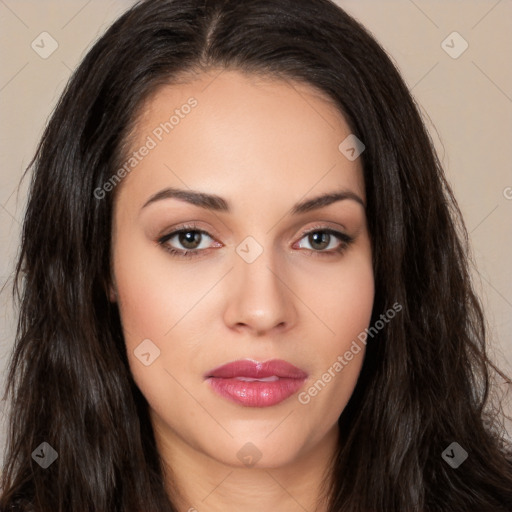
(153, 294)
(162, 301)
(148, 306)
(341, 295)
(344, 302)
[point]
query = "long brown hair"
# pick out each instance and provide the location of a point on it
(426, 378)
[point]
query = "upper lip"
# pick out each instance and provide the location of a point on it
(256, 370)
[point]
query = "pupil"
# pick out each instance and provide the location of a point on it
(190, 237)
(324, 239)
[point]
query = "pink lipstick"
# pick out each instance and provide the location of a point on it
(254, 384)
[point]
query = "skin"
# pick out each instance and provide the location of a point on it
(263, 145)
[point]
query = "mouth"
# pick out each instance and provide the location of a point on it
(253, 384)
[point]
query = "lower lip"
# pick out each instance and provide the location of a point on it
(256, 393)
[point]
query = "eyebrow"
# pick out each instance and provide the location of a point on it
(216, 203)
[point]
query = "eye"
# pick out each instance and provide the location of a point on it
(190, 238)
(321, 238)
(323, 241)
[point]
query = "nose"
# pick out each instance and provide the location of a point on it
(259, 297)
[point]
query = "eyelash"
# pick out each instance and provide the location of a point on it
(345, 240)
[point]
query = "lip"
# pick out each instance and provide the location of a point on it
(285, 380)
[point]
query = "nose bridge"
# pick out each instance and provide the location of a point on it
(259, 298)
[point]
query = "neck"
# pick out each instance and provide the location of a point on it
(197, 482)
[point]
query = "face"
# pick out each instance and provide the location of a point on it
(263, 278)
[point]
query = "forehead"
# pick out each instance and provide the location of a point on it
(228, 131)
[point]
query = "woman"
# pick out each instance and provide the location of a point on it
(244, 281)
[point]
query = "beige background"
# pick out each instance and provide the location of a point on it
(466, 101)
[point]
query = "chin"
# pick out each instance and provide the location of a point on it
(257, 452)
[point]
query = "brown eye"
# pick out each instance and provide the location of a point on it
(321, 239)
(190, 239)
(185, 241)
